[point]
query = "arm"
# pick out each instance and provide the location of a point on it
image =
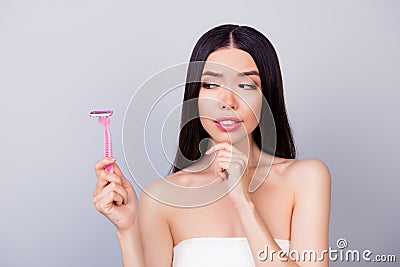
(155, 234)
(116, 199)
(310, 182)
(310, 219)
(131, 249)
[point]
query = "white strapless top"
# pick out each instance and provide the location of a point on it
(217, 251)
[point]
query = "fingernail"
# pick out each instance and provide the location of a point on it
(208, 151)
(111, 159)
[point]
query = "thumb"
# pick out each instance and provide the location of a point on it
(117, 171)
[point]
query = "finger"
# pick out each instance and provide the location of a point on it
(125, 182)
(100, 194)
(222, 165)
(239, 161)
(112, 188)
(117, 170)
(111, 196)
(102, 163)
(231, 164)
(118, 200)
(233, 170)
(222, 177)
(226, 153)
(230, 147)
(223, 145)
(105, 178)
(106, 203)
(209, 151)
(121, 178)
(121, 191)
(215, 148)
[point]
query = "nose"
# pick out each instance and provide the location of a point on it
(227, 99)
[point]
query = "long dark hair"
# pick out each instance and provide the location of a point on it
(266, 59)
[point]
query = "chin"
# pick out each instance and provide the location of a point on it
(230, 138)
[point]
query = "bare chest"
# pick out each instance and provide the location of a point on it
(273, 202)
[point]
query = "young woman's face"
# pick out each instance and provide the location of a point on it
(230, 97)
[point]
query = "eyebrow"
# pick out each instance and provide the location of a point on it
(215, 74)
(248, 73)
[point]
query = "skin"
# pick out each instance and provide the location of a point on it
(292, 203)
(116, 199)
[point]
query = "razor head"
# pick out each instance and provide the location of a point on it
(100, 113)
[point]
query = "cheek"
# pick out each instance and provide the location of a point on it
(253, 109)
(251, 114)
(204, 108)
(205, 105)
(207, 124)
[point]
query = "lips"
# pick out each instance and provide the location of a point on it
(228, 124)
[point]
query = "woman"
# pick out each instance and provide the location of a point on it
(287, 210)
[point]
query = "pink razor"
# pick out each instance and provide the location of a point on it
(104, 118)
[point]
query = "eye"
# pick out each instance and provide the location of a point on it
(247, 86)
(209, 85)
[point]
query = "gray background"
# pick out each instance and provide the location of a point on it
(60, 59)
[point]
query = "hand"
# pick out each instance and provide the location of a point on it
(232, 167)
(114, 195)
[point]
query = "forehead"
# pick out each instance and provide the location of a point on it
(230, 58)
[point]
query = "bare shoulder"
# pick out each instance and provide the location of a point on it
(308, 173)
(175, 178)
(151, 190)
(157, 192)
(308, 165)
(147, 198)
